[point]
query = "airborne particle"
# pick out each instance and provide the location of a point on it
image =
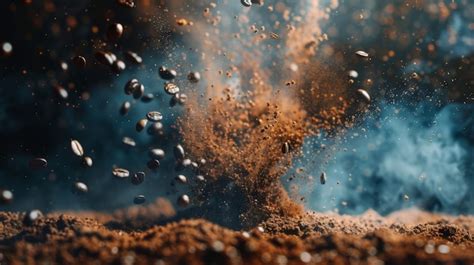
(77, 148)
(125, 108)
(87, 161)
(167, 74)
(61, 92)
(246, 3)
(178, 152)
(141, 124)
(364, 94)
(153, 164)
(156, 153)
(171, 88)
(138, 178)
(129, 141)
(194, 77)
(323, 178)
(38, 163)
(120, 173)
(154, 116)
(140, 199)
(183, 200)
(79, 61)
(80, 188)
(32, 216)
(362, 54)
(6, 196)
(7, 47)
(114, 32)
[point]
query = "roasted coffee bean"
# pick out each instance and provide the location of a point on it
(246, 3)
(353, 74)
(140, 199)
(323, 178)
(31, 216)
(178, 98)
(61, 92)
(186, 162)
(129, 141)
(167, 74)
(133, 57)
(77, 148)
(258, 2)
(285, 149)
(157, 153)
(200, 178)
(171, 88)
(131, 86)
(126, 3)
(139, 90)
(6, 196)
(182, 179)
(87, 161)
(80, 188)
(155, 129)
(364, 95)
(147, 98)
(362, 54)
(125, 108)
(38, 163)
(178, 152)
(153, 164)
(104, 58)
(138, 178)
(79, 61)
(118, 66)
(154, 116)
(120, 173)
(141, 124)
(194, 77)
(114, 31)
(183, 200)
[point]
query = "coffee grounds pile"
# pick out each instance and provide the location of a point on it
(313, 238)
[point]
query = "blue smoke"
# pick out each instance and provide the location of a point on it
(396, 154)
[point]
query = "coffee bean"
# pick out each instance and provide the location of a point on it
(80, 188)
(126, 3)
(138, 178)
(141, 124)
(285, 148)
(79, 61)
(194, 77)
(114, 31)
(6, 196)
(323, 178)
(200, 178)
(178, 98)
(362, 54)
(258, 2)
(104, 58)
(153, 164)
(353, 74)
(154, 116)
(31, 216)
(77, 148)
(155, 129)
(186, 162)
(171, 88)
(246, 3)
(364, 95)
(125, 108)
(139, 90)
(130, 86)
(120, 173)
(61, 92)
(183, 200)
(181, 179)
(87, 161)
(129, 141)
(157, 153)
(178, 152)
(133, 57)
(140, 199)
(118, 66)
(167, 74)
(147, 98)
(38, 163)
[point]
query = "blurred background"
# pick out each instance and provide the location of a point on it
(412, 148)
